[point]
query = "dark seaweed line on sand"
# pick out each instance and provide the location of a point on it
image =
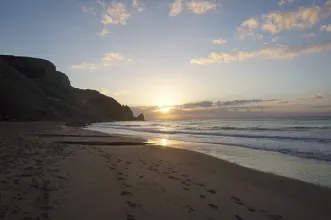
(101, 143)
(81, 136)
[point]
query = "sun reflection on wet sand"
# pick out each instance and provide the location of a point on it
(164, 142)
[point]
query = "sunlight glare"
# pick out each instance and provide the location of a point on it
(164, 142)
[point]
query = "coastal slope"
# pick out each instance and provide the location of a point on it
(32, 89)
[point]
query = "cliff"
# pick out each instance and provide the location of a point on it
(32, 89)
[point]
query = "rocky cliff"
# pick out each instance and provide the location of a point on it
(32, 89)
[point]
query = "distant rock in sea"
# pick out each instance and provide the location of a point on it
(32, 89)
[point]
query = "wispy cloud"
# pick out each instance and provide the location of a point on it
(108, 60)
(176, 8)
(219, 41)
(281, 52)
(326, 28)
(116, 13)
(283, 2)
(247, 28)
(279, 21)
(104, 32)
(201, 6)
(138, 6)
(195, 6)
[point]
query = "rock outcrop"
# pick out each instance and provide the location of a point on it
(32, 89)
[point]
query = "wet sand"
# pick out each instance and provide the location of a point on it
(51, 171)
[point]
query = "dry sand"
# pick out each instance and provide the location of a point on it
(50, 171)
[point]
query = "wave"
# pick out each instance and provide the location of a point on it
(268, 129)
(219, 134)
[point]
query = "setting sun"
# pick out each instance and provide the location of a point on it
(164, 109)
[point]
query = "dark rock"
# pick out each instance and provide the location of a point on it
(32, 89)
(141, 117)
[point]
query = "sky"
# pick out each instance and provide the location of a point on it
(149, 53)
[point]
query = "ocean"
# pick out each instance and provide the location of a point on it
(298, 148)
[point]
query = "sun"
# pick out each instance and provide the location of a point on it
(164, 109)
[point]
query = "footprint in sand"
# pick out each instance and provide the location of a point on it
(237, 200)
(212, 206)
(120, 178)
(238, 217)
(132, 204)
(130, 217)
(211, 191)
(202, 196)
(190, 209)
(251, 209)
(126, 193)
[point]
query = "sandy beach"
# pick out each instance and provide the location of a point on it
(52, 171)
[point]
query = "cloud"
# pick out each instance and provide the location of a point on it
(283, 2)
(247, 28)
(281, 52)
(138, 6)
(201, 6)
(108, 60)
(203, 104)
(326, 28)
(176, 8)
(310, 35)
(116, 13)
(104, 32)
(219, 41)
(195, 6)
(86, 66)
(279, 21)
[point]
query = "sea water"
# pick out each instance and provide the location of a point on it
(298, 148)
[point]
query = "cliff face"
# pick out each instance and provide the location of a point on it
(32, 89)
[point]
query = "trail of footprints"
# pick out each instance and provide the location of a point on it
(186, 182)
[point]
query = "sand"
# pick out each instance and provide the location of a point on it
(51, 171)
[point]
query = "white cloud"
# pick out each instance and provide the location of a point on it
(283, 2)
(138, 6)
(281, 52)
(176, 8)
(104, 32)
(201, 6)
(219, 41)
(108, 60)
(195, 6)
(279, 21)
(247, 28)
(326, 28)
(86, 66)
(116, 13)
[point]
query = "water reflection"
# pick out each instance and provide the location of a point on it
(164, 142)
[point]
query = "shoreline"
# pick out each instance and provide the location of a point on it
(139, 181)
(255, 159)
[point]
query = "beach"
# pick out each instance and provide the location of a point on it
(53, 171)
